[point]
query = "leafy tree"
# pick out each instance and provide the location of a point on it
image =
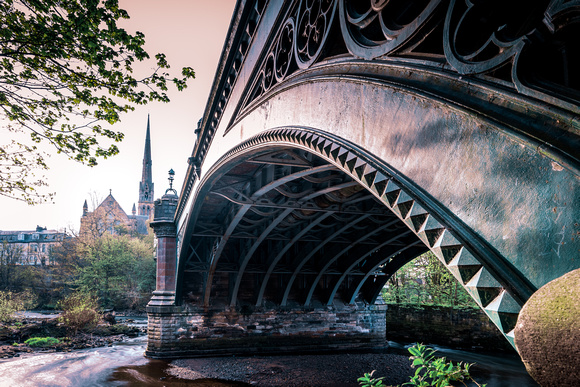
(10, 255)
(9, 304)
(120, 270)
(58, 279)
(65, 67)
(426, 281)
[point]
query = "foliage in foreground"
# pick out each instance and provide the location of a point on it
(430, 371)
(42, 342)
(79, 311)
(368, 381)
(436, 371)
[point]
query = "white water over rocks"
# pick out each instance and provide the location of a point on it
(86, 368)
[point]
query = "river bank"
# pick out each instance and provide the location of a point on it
(97, 359)
(301, 370)
(123, 364)
(14, 335)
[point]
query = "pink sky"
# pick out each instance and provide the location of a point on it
(190, 33)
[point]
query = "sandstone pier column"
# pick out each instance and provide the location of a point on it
(166, 234)
(161, 308)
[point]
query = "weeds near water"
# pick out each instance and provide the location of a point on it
(368, 381)
(430, 371)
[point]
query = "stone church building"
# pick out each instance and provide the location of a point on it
(109, 216)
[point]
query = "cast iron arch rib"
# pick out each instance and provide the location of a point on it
(301, 199)
(302, 261)
(343, 251)
(377, 250)
(279, 256)
(405, 254)
(498, 288)
(253, 199)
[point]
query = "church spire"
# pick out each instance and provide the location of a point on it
(146, 184)
(146, 175)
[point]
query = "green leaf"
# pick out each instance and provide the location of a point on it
(62, 60)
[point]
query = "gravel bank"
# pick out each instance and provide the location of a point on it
(306, 370)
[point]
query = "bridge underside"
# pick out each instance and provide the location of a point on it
(293, 243)
(334, 149)
(286, 228)
(290, 250)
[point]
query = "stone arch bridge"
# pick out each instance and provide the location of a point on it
(342, 139)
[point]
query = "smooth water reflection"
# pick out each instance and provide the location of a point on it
(153, 374)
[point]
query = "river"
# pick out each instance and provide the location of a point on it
(123, 364)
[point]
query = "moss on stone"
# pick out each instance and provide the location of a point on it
(548, 331)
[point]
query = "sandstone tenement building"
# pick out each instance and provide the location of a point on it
(31, 247)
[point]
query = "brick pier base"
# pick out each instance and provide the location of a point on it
(185, 331)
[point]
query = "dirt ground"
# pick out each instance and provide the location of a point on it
(305, 370)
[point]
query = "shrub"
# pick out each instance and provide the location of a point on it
(436, 371)
(10, 303)
(42, 342)
(28, 299)
(431, 371)
(368, 381)
(79, 311)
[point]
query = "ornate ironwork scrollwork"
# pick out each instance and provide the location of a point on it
(298, 44)
(480, 36)
(279, 61)
(268, 77)
(312, 28)
(284, 50)
(538, 39)
(550, 63)
(373, 28)
(531, 46)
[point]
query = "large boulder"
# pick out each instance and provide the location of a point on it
(547, 334)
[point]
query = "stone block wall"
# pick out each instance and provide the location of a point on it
(189, 331)
(464, 328)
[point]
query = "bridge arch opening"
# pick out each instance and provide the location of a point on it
(297, 218)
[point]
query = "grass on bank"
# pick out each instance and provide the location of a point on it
(42, 342)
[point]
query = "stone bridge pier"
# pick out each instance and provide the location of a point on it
(193, 330)
(342, 139)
